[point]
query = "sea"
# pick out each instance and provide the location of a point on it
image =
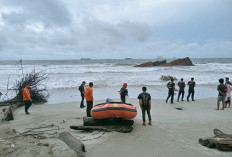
(108, 75)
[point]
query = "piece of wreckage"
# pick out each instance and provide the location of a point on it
(178, 62)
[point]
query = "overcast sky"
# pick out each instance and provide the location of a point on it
(73, 29)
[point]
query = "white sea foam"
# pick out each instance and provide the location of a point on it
(112, 73)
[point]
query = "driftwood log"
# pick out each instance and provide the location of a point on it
(9, 112)
(108, 128)
(220, 141)
(89, 121)
(73, 143)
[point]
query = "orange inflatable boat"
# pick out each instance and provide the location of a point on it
(113, 110)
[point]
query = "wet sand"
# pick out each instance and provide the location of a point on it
(174, 133)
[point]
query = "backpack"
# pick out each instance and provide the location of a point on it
(145, 99)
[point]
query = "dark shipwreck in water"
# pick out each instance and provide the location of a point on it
(178, 62)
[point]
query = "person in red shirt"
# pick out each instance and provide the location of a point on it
(89, 98)
(181, 85)
(27, 98)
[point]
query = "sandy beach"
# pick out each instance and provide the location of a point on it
(174, 132)
(57, 52)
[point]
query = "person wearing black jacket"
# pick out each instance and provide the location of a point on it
(145, 105)
(181, 85)
(171, 88)
(191, 90)
(82, 92)
(222, 89)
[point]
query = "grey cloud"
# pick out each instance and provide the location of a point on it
(71, 32)
(110, 35)
(139, 31)
(49, 12)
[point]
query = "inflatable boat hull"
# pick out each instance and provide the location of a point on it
(113, 110)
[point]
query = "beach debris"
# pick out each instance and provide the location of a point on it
(220, 141)
(12, 145)
(167, 77)
(42, 132)
(38, 90)
(43, 144)
(178, 62)
(108, 128)
(73, 143)
(8, 113)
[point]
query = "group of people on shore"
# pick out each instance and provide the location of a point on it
(224, 91)
(224, 95)
(182, 85)
(144, 99)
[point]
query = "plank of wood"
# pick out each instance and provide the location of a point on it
(73, 143)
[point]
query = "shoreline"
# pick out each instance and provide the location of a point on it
(157, 92)
(62, 95)
(174, 132)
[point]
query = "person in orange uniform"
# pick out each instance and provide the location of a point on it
(89, 98)
(27, 98)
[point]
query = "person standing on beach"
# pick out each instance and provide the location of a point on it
(82, 91)
(123, 93)
(27, 98)
(222, 89)
(145, 105)
(191, 91)
(228, 81)
(89, 98)
(171, 88)
(228, 93)
(181, 85)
